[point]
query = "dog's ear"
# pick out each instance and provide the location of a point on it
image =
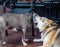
(48, 22)
(45, 21)
(42, 18)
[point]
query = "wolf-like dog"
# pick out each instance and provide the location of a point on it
(15, 20)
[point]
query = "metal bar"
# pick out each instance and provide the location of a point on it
(4, 6)
(13, 2)
(40, 4)
(32, 9)
(50, 11)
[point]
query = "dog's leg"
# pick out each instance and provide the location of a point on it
(6, 32)
(14, 29)
(46, 44)
(48, 40)
(3, 35)
(39, 40)
(23, 37)
(0, 37)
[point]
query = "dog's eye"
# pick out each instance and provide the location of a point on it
(34, 19)
(35, 15)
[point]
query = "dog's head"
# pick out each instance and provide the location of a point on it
(38, 22)
(42, 22)
(36, 18)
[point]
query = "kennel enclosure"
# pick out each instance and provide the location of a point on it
(45, 8)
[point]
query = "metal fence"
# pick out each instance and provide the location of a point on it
(48, 8)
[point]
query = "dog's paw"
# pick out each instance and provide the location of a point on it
(37, 40)
(39, 46)
(24, 43)
(3, 43)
